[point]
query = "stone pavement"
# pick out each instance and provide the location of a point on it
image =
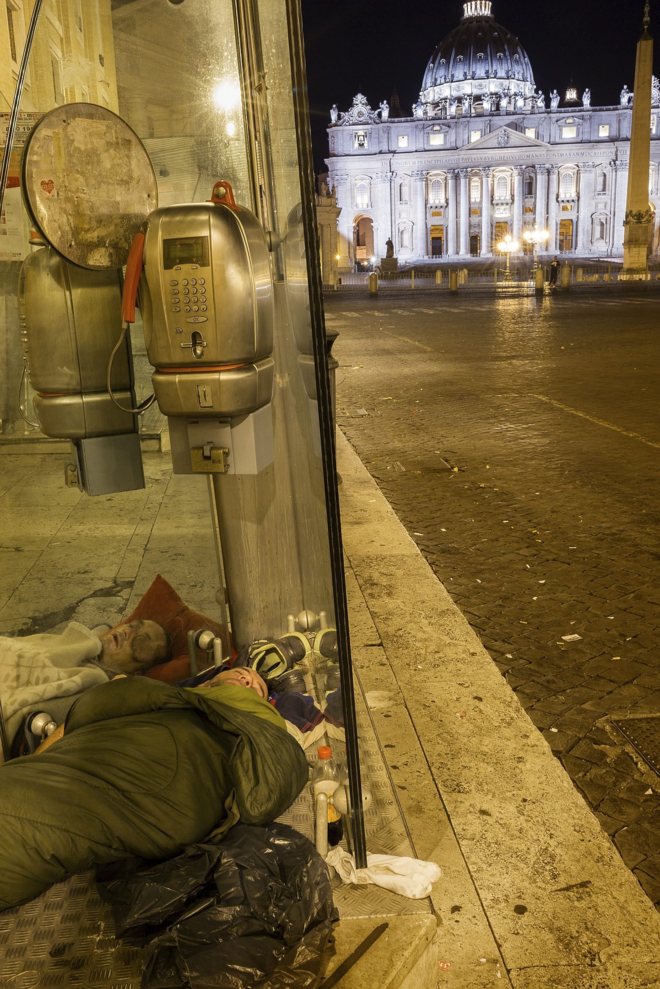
(518, 440)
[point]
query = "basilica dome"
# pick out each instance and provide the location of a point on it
(478, 57)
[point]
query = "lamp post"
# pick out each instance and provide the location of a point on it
(506, 246)
(536, 237)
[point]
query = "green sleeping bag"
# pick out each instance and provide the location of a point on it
(143, 769)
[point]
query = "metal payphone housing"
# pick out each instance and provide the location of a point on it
(67, 368)
(208, 311)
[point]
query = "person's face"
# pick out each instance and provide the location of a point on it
(242, 676)
(133, 646)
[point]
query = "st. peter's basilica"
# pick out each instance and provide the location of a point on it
(484, 155)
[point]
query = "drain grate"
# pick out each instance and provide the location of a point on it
(644, 735)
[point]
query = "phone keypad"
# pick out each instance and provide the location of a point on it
(191, 297)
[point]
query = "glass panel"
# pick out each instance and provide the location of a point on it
(206, 88)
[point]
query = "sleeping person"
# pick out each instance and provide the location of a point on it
(48, 670)
(143, 769)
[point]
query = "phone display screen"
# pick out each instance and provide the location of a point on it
(186, 250)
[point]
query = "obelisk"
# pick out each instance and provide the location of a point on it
(638, 224)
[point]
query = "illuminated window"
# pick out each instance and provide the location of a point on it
(603, 130)
(362, 194)
(529, 183)
(436, 191)
(474, 136)
(403, 140)
(530, 132)
(567, 185)
(435, 139)
(360, 139)
(501, 187)
(565, 236)
(568, 131)
(475, 189)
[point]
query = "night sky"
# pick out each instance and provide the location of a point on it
(378, 46)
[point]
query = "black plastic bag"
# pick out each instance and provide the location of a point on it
(253, 910)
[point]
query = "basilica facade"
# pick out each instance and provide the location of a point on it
(485, 156)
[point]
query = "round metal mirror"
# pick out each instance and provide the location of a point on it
(88, 184)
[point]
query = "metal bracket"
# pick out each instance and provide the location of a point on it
(71, 476)
(209, 459)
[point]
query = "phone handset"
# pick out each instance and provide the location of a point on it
(134, 266)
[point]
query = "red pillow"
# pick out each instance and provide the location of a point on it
(161, 603)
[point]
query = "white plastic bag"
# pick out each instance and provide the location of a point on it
(407, 876)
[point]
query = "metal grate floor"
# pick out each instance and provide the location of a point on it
(644, 735)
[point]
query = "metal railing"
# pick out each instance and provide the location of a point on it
(519, 276)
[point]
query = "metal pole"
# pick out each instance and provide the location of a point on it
(13, 116)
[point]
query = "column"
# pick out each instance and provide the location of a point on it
(418, 192)
(586, 206)
(382, 212)
(464, 215)
(541, 196)
(619, 179)
(342, 191)
(485, 212)
(451, 213)
(553, 178)
(517, 204)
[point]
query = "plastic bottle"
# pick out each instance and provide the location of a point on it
(325, 780)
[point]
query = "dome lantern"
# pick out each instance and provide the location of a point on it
(477, 8)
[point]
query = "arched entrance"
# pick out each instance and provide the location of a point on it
(363, 241)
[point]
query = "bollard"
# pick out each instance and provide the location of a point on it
(565, 279)
(412, 278)
(453, 280)
(579, 275)
(373, 283)
(539, 279)
(438, 277)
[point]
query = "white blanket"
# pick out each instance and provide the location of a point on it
(36, 669)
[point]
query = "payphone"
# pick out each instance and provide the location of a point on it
(69, 318)
(87, 184)
(206, 299)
